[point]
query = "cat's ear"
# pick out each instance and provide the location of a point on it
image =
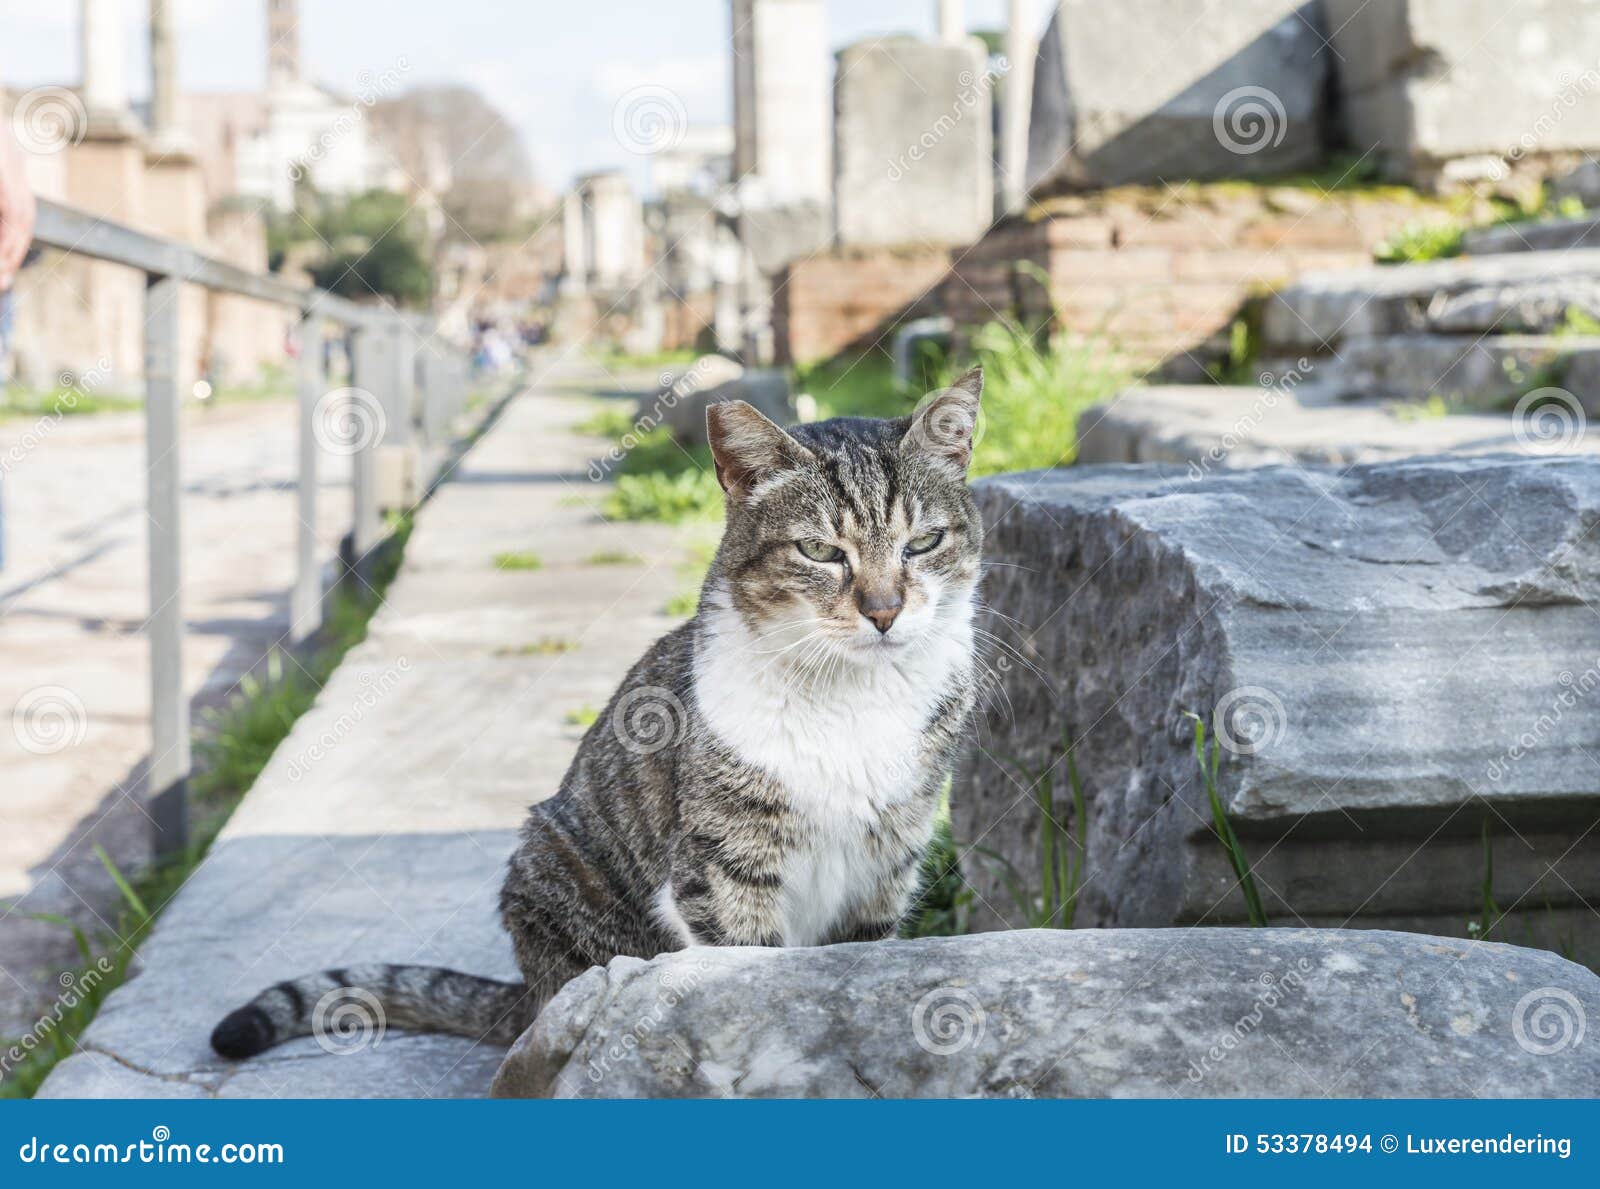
(946, 422)
(747, 447)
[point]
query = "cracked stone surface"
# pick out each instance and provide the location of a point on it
(1217, 428)
(1393, 656)
(379, 830)
(1149, 1013)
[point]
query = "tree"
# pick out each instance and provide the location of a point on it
(454, 144)
(366, 244)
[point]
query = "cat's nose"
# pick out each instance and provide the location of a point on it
(881, 608)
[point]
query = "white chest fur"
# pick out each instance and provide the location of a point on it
(843, 747)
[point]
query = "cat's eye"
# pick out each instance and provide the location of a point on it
(820, 550)
(925, 542)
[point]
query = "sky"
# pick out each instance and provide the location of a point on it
(555, 68)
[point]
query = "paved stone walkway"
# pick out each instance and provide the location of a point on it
(73, 601)
(379, 830)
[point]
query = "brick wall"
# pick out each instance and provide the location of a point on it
(825, 304)
(1163, 271)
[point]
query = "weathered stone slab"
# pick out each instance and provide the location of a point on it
(1468, 371)
(913, 142)
(1149, 1013)
(1321, 309)
(1207, 428)
(1218, 90)
(1539, 235)
(681, 405)
(1423, 82)
(1395, 657)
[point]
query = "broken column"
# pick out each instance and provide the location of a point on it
(912, 130)
(1427, 86)
(1399, 661)
(1155, 90)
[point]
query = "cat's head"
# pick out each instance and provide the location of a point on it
(854, 538)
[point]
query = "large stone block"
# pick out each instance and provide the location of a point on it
(1423, 82)
(681, 404)
(1156, 90)
(913, 141)
(1401, 663)
(1206, 427)
(1147, 1013)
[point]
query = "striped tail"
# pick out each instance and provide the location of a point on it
(346, 1009)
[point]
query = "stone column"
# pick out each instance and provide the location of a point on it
(574, 244)
(1016, 102)
(166, 131)
(105, 78)
(952, 20)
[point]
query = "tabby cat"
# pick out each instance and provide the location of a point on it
(768, 773)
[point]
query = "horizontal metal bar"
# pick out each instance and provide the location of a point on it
(76, 231)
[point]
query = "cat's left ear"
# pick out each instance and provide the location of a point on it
(946, 421)
(747, 447)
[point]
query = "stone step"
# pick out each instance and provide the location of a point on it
(1390, 653)
(1211, 428)
(1540, 235)
(1054, 1013)
(1523, 292)
(1467, 371)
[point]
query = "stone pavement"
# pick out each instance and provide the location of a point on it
(73, 600)
(379, 830)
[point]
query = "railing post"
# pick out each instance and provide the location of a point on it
(169, 705)
(367, 360)
(399, 394)
(305, 600)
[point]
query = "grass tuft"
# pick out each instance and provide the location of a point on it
(524, 559)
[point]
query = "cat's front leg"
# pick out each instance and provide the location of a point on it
(878, 916)
(726, 884)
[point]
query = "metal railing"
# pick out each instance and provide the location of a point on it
(417, 386)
